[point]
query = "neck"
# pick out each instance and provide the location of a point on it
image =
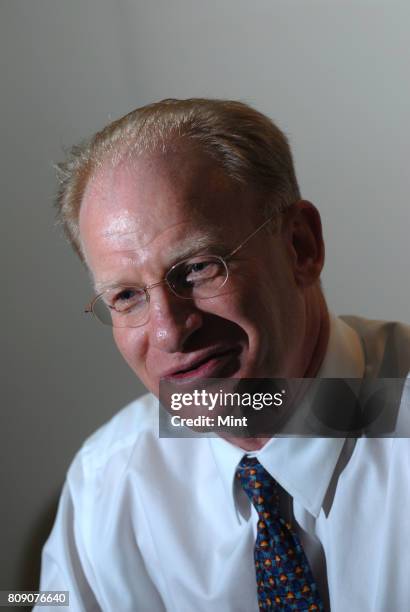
(319, 332)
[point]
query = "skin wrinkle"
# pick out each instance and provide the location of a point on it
(200, 244)
(100, 189)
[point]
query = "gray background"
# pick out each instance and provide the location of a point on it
(333, 74)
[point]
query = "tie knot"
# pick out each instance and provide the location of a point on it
(258, 485)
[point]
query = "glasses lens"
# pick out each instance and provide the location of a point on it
(198, 277)
(122, 307)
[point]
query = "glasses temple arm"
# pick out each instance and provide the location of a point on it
(250, 236)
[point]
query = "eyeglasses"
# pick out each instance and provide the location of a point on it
(196, 278)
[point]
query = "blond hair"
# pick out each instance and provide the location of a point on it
(245, 143)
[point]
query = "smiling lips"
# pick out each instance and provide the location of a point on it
(214, 364)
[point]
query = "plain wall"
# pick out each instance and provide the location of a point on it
(333, 74)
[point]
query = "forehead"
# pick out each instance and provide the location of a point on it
(151, 206)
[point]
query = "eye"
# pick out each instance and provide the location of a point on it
(195, 272)
(200, 270)
(126, 300)
(198, 276)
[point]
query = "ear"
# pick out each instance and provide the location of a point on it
(302, 231)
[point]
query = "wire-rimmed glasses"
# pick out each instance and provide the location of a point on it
(196, 278)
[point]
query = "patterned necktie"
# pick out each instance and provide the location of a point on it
(283, 575)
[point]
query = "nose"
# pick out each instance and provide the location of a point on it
(172, 320)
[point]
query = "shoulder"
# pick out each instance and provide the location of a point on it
(129, 448)
(375, 326)
(114, 442)
(386, 345)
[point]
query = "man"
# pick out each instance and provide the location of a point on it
(206, 262)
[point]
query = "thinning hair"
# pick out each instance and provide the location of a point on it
(249, 147)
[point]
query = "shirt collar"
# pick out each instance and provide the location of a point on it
(302, 466)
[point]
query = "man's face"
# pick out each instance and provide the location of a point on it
(141, 217)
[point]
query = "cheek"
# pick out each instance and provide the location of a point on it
(236, 305)
(267, 303)
(247, 310)
(131, 343)
(250, 304)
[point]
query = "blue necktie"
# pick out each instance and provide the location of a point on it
(283, 576)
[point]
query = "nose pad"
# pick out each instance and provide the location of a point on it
(172, 319)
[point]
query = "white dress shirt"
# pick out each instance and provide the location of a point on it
(149, 524)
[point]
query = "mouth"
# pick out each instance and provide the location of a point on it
(218, 364)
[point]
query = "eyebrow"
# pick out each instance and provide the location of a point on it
(199, 245)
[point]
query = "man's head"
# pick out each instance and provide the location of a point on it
(243, 142)
(185, 178)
